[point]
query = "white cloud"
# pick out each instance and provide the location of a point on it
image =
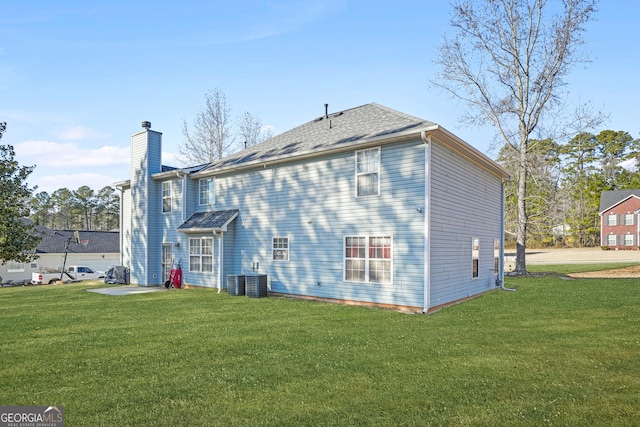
(171, 159)
(77, 133)
(70, 155)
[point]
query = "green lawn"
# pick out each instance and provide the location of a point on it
(558, 352)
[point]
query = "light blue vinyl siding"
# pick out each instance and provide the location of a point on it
(465, 203)
(145, 208)
(313, 203)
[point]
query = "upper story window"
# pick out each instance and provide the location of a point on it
(629, 219)
(368, 172)
(612, 219)
(207, 191)
(281, 249)
(166, 196)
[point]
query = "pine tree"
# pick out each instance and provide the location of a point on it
(18, 236)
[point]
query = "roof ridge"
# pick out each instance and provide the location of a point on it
(400, 113)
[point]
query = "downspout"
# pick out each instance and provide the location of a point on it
(427, 219)
(220, 258)
(121, 237)
(500, 278)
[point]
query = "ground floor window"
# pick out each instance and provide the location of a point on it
(201, 254)
(629, 240)
(496, 257)
(611, 240)
(368, 259)
(280, 249)
(475, 257)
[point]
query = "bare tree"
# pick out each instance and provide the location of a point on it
(507, 61)
(211, 137)
(251, 129)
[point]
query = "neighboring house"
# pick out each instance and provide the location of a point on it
(619, 226)
(102, 250)
(367, 205)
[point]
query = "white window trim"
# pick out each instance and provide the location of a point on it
(212, 193)
(615, 240)
(496, 256)
(629, 242)
(612, 218)
(357, 174)
(274, 249)
(475, 257)
(200, 255)
(366, 274)
(629, 216)
(170, 197)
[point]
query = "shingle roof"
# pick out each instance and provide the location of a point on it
(53, 241)
(206, 221)
(610, 198)
(348, 126)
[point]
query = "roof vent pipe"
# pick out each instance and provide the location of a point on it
(146, 125)
(326, 111)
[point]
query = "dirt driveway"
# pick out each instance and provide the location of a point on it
(582, 256)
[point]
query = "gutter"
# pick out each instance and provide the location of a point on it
(121, 236)
(438, 132)
(286, 158)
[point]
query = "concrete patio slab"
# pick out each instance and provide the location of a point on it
(127, 290)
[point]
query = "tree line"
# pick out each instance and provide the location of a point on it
(81, 209)
(564, 184)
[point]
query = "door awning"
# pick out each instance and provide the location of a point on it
(208, 222)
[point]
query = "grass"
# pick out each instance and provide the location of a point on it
(556, 352)
(577, 268)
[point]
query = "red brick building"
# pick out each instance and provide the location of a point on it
(620, 219)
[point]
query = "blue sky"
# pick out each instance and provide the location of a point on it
(77, 78)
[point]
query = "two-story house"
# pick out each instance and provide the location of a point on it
(619, 227)
(367, 205)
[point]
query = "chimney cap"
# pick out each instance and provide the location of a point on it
(146, 124)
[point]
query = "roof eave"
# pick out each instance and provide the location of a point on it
(617, 203)
(437, 131)
(362, 143)
(122, 184)
(459, 145)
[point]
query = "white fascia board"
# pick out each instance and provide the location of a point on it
(616, 204)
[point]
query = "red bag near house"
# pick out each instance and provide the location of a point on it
(175, 277)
